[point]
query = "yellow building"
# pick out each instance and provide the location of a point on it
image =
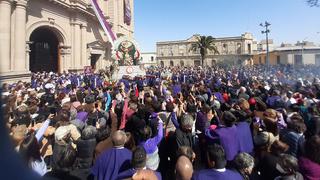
(261, 58)
(302, 53)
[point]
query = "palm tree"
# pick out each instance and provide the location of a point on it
(204, 43)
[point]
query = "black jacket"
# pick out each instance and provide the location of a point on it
(85, 151)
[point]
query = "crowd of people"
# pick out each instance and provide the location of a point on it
(183, 123)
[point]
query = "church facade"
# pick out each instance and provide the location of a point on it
(57, 35)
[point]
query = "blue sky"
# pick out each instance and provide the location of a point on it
(160, 20)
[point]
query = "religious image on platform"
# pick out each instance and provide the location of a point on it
(160, 90)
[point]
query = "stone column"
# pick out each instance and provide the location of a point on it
(5, 14)
(84, 59)
(20, 64)
(76, 46)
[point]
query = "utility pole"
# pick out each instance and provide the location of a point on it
(266, 31)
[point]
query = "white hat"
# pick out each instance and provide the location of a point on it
(49, 86)
(6, 93)
(30, 89)
(65, 100)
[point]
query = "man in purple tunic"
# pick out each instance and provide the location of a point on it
(226, 135)
(113, 161)
(218, 163)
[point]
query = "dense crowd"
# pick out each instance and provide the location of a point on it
(183, 123)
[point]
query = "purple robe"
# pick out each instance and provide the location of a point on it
(111, 162)
(176, 89)
(207, 174)
(228, 140)
(245, 137)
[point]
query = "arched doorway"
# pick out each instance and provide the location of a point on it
(182, 63)
(45, 53)
(161, 63)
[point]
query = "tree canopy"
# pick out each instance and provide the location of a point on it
(313, 3)
(204, 43)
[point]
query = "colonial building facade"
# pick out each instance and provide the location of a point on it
(57, 35)
(234, 50)
(149, 59)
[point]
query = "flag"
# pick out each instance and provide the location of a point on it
(127, 12)
(105, 25)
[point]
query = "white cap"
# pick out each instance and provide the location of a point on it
(65, 100)
(49, 86)
(5, 93)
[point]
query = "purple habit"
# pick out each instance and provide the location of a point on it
(228, 140)
(111, 162)
(216, 175)
(245, 137)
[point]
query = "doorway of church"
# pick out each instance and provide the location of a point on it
(44, 55)
(93, 60)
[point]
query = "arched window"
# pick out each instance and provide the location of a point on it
(161, 63)
(225, 48)
(213, 62)
(182, 63)
(152, 58)
(171, 63)
(239, 48)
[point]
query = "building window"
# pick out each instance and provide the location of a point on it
(278, 60)
(152, 58)
(239, 48)
(260, 60)
(317, 60)
(197, 62)
(249, 48)
(171, 63)
(297, 59)
(161, 63)
(181, 63)
(213, 62)
(225, 48)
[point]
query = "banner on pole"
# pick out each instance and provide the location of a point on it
(105, 25)
(127, 12)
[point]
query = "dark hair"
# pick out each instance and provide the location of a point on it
(103, 133)
(228, 118)
(312, 148)
(147, 133)
(66, 158)
(289, 163)
(297, 126)
(217, 155)
(271, 125)
(278, 147)
(169, 107)
(206, 108)
(30, 149)
(243, 160)
(139, 157)
(89, 132)
(73, 98)
(64, 115)
(80, 96)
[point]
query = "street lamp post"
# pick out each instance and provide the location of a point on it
(267, 31)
